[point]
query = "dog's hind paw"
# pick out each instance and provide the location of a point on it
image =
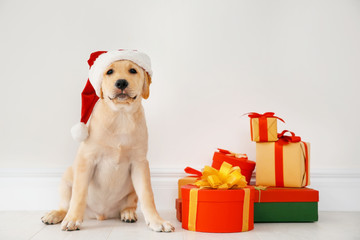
(128, 215)
(53, 217)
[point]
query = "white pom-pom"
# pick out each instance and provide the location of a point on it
(79, 131)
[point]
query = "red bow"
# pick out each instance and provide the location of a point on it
(232, 154)
(265, 115)
(193, 171)
(287, 139)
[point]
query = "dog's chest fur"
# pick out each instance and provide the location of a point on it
(122, 129)
(117, 148)
(110, 184)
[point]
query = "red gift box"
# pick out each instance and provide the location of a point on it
(240, 160)
(214, 210)
(274, 194)
(178, 206)
(285, 204)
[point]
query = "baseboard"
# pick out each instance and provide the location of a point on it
(37, 189)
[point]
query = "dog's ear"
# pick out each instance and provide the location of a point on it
(101, 93)
(146, 87)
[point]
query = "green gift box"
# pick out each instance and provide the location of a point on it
(286, 205)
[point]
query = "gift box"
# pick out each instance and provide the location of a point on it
(213, 210)
(184, 181)
(178, 207)
(286, 205)
(284, 163)
(263, 127)
(235, 159)
(195, 175)
(220, 201)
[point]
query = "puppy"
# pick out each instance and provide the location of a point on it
(111, 170)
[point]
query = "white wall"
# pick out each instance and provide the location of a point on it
(212, 62)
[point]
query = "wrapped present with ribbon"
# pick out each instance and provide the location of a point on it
(235, 159)
(272, 204)
(193, 176)
(220, 201)
(263, 127)
(284, 163)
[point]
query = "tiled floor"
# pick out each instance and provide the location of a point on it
(27, 225)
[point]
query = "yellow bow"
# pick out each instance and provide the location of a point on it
(225, 178)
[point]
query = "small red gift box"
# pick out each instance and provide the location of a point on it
(178, 206)
(240, 160)
(214, 210)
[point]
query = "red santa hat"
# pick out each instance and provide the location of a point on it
(98, 62)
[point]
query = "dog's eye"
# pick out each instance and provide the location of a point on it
(109, 72)
(132, 70)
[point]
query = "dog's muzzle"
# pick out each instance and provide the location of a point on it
(122, 96)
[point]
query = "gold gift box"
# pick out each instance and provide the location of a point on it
(291, 171)
(271, 130)
(184, 181)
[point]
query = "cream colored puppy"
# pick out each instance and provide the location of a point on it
(111, 170)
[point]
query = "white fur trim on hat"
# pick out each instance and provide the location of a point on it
(79, 131)
(105, 59)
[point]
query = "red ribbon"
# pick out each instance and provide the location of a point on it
(306, 164)
(228, 152)
(265, 115)
(263, 129)
(279, 165)
(194, 172)
(279, 162)
(286, 139)
(224, 151)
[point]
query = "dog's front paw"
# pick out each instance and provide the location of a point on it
(53, 217)
(160, 225)
(128, 215)
(71, 223)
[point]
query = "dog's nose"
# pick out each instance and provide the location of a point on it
(121, 84)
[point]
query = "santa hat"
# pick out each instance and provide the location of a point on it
(98, 62)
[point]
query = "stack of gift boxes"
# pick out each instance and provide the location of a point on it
(219, 199)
